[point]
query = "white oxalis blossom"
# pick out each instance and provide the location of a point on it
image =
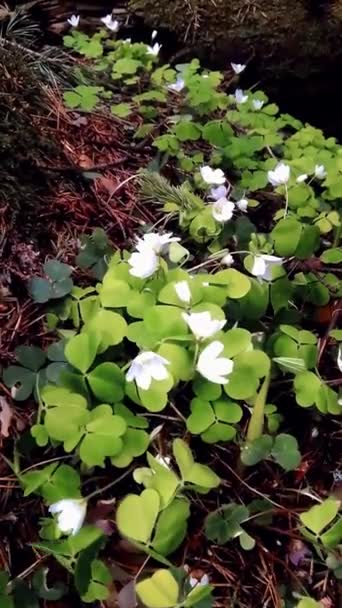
(242, 204)
(154, 50)
(154, 34)
(202, 325)
(301, 178)
(228, 260)
(320, 171)
(280, 175)
(183, 291)
(240, 97)
(112, 24)
(147, 366)
(70, 513)
(257, 104)
(177, 86)
(219, 192)
(263, 266)
(212, 176)
(145, 261)
(74, 20)
(222, 210)
(339, 358)
(238, 67)
(213, 367)
(194, 582)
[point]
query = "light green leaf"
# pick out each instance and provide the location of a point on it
(81, 350)
(147, 506)
(320, 516)
(107, 382)
(159, 591)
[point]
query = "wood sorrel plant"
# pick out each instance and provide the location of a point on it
(204, 346)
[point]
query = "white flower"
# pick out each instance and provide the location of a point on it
(301, 178)
(74, 20)
(320, 171)
(112, 24)
(211, 366)
(212, 176)
(219, 192)
(154, 50)
(127, 40)
(143, 264)
(154, 34)
(147, 366)
(71, 513)
(240, 97)
(279, 175)
(228, 260)
(222, 210)
(163, 460)
(238, 67)
(339, 358)
(177, 86)
(242, 204)
(257, 104)
(263, 265)
(158, 243)
(183, 291)
(194, 582)
(202, 325)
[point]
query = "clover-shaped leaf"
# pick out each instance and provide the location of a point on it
(81, 350)
(22, 380)
(140, 528)
(256, 450)
(192, 472)
(159, 591)
(225, 525)
(320, 516)
(102, 437)
(109, 326)
(107, 382)
(171, 527)
(285, 451)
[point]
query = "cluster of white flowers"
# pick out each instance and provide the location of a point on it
(280, 175)
(222, 207)
(145, 261)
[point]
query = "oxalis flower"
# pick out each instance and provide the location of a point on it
(163, 460)
(74, 20)
(202, 325)
(194, 582)
(320, 171)
(339, 358)
(145, 261)
(219, 192)
(212, 176)
(257, 104)
(183, 291)
(301, 178)
(242, 204)
(154, 50)
(227, 260)
(280, 175)
(222, 210)
(213, 367)
(263, 265)
(238, 67)
(177, 86)
(70, 513)
(240, 97)
(147, 366)
(112, 24)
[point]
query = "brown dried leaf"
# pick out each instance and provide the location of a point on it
(6, 415)
(127, 597)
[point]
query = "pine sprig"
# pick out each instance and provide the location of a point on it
(156, 190)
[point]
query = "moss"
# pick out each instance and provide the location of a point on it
(240, 29)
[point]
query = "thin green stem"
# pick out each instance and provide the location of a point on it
(337, 235)
(109, 485)
(256, 423)
(286, 200)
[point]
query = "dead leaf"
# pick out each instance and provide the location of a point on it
(127, 597)
(6, 415)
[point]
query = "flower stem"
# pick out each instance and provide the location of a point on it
(256, 423)
(286, 200)
(109, 485)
